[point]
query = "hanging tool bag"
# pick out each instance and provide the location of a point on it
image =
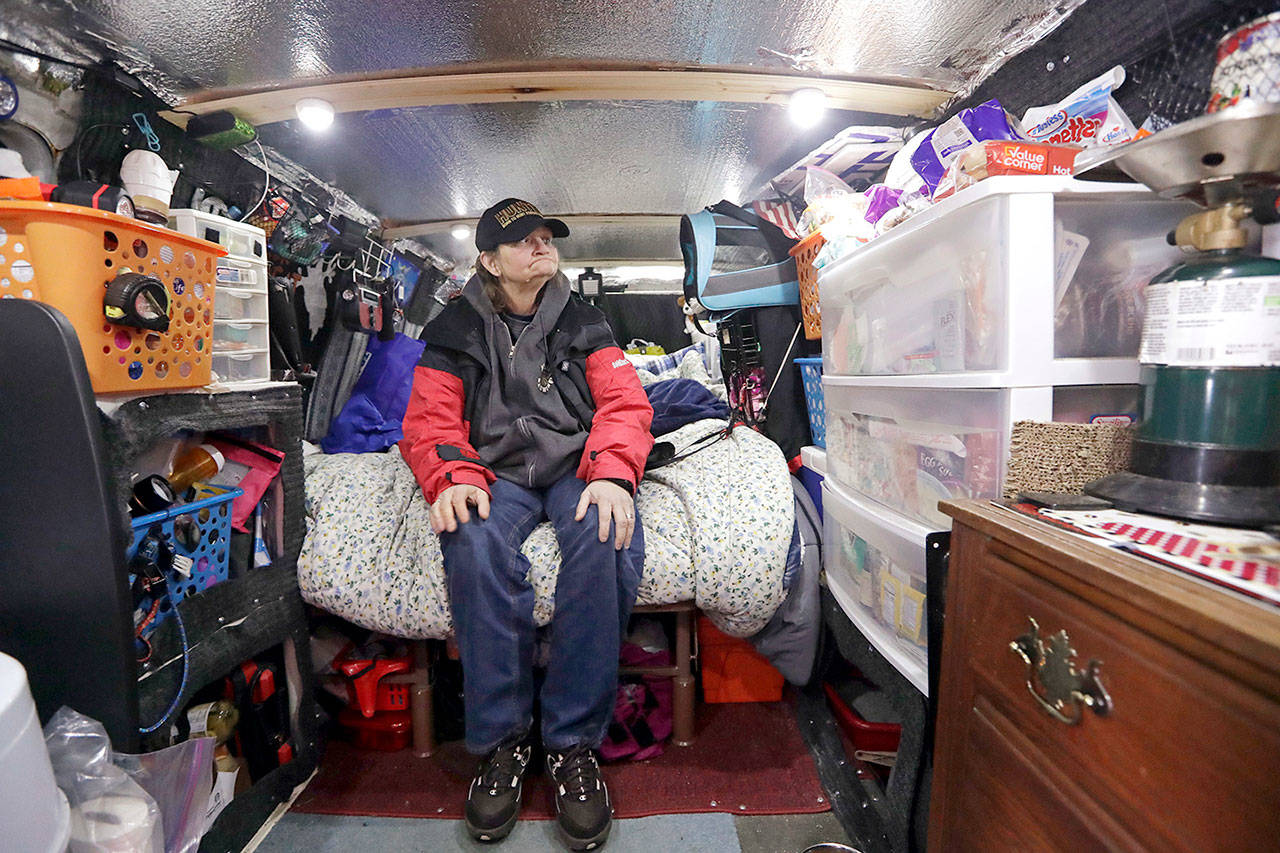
(735, 259)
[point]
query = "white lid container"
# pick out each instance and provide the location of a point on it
(33, 811)
(243, 241)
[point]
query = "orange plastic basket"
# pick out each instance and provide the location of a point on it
(65, 255)
(810, 310)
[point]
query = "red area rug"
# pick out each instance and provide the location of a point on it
(747, 759)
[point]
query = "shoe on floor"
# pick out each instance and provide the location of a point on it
(582, 800)
(493, 800)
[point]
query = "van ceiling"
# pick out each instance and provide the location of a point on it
(425, 164)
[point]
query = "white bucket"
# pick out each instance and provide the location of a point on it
(144, 173)
(33, 811)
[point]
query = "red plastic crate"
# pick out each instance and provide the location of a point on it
(865, 736)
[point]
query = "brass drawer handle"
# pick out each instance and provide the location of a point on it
(1064, 692)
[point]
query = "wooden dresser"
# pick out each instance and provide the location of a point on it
(1178, 749)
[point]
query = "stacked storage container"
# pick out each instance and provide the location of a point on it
(241, 318)
(1019, 298)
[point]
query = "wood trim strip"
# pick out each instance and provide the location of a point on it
(435, 88)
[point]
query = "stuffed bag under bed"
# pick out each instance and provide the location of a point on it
(717, 528)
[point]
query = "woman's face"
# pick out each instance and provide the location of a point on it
(533, 259)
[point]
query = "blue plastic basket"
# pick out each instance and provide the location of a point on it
(200, 530)
(811, 375)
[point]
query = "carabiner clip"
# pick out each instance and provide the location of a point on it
(153, 141)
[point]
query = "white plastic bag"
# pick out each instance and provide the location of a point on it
(109, 811)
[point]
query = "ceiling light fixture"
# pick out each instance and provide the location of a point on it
(807, 107)
(315, 113)
(460, 232)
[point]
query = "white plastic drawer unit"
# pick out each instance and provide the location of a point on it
(240, 336)
(240, 239)
(242, 367)
(874, 563)
(909, 448)
(245, 275)
(233, 303)
(1005, 277)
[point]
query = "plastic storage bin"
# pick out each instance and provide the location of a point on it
(245, 275)
(66, 255)
(200, 530)
(732, 670)
(874, 563)
(909, 448)
(811, 378)
(237, 304)
(244, 367)
(1004, 277)
(237, 335)
(240, 239)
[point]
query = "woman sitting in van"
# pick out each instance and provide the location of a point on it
(524, 409)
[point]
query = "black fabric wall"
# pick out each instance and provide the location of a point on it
(651, 316)
(1166, 46)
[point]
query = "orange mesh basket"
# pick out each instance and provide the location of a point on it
(810, 310)
(66, 255)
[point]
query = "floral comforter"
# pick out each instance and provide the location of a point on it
(717, 527)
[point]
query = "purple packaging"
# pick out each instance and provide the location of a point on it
(941, 145)
(880, 200)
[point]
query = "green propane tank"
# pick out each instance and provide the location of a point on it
(1208, 446)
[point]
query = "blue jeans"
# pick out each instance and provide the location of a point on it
(492, 603)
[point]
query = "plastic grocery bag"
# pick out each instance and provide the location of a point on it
(109, 811)
(179, 779)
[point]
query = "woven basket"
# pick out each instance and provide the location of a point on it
(1058, 457)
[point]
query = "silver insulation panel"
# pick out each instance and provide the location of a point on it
(569, 157)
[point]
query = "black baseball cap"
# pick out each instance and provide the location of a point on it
(510, 221)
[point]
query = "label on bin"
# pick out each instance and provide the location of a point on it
(1227, 322)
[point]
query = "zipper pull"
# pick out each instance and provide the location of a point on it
(512, 352)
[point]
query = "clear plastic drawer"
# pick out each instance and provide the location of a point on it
(1005, 276)
(874, 563)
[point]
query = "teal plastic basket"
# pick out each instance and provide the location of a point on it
(200, 530)
(811, 376)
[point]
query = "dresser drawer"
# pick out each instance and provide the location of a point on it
(1186, 759)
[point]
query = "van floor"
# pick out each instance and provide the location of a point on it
(685, 833)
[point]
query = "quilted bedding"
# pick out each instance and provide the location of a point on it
(717, 527)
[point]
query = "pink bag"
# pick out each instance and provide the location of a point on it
(259, 465)
(642, 714)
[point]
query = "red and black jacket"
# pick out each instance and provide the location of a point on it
(458, 429)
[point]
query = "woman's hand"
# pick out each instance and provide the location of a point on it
(450, 507)
(614, 504)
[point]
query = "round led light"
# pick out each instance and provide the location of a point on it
(807, 106)
(8, 98)
(315, 113)
(460, 232)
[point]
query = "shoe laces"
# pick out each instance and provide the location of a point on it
(577, 772)
(505, 766)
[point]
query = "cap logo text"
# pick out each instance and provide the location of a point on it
(515, 211)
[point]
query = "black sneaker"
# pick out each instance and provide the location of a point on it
(582, 800)
(493, 800)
